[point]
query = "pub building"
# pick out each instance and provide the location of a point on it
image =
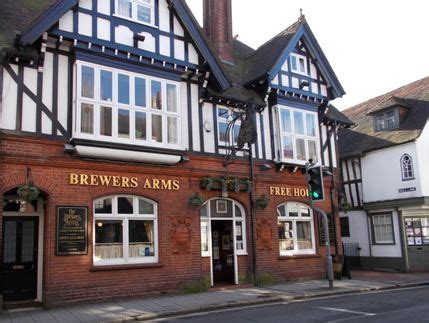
(141, 153)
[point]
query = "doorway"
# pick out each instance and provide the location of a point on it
(20, 251)
(223, 252)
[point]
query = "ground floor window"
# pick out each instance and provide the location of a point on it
(417, 229)
(295, 229)
(382, 228)
(125, 229)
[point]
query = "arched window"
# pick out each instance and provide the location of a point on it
(296, 229)
(125, 229)
(407, 167)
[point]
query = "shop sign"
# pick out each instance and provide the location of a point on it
(290, 191)
(123, 181)
(72, 230)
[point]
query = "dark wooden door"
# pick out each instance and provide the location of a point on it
(223, 252)
(19, 274)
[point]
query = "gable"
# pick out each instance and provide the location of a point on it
(318, 73)
(299, 74)
(156, 32)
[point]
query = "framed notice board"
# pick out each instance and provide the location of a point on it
(72, 230)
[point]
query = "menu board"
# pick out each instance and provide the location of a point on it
(72, 230)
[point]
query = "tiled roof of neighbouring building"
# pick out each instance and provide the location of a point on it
(363, 137)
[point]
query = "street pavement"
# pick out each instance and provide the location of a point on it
(219, 298)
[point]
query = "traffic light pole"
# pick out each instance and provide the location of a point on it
(329, 266)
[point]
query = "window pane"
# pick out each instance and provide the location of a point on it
(156, 95)
(238, 213)
(140, 92)
(141, 238)
(390, 119)
(302, 65)
(300, 149)
(236, 133)
(105, 121)
(125, 205)
(222, 113)
(203, 212)
(303, 234)
(124, 8)
(87, 84)
(298, 122)
(141, 125)
(239, 235)
(145, 207)
(105, 85)
(285, 231)
(123, 123)
(204, 237)
(293, 62)
(157, 128)
(292, 209)
(108, 239)
(311, 125)
(222, 132)
(287, 147)
(281, 210)
(144, 14)
(285, 120)
(103, 206)
(171, 98)
(380, 122)
(123, 89)
(87, 118)
(172, 130)
(312, 150)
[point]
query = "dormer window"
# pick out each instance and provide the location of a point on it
(298, 64)
(386, 120)
(142, 11)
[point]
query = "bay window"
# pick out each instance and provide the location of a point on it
(142, 11)
(125, 229)
(115, 106)
(298, 135)
(295, 229)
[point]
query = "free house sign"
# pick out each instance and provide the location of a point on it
(72, 230)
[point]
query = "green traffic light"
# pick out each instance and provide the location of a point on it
(315, 194)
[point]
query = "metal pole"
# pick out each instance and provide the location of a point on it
(252, 216)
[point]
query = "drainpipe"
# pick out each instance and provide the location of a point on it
(252, 216)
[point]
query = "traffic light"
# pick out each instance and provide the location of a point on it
(315, 183)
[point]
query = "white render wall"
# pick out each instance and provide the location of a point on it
(382, 177)
(422, 162)
(358, 225)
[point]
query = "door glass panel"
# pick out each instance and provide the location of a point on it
(27, 254)
(9, 251)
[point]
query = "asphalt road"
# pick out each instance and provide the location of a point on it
(399, 305)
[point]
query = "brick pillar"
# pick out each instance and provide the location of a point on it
(218, 27)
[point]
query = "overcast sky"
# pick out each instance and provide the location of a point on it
(374, 46)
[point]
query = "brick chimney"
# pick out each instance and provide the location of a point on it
(218, 27)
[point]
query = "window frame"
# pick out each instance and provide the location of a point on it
(296, 136)
(345, 226)
(297, 58)
(132, 107)
(126, 218)
(294, 220)
(404, 171)
(373, 234)
(133, 17)
(384, 117)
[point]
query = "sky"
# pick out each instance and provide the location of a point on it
(373, 46)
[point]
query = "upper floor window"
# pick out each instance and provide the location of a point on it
(125, 229)
(299, 135)
(138, 10)
(118, 106)
(407, 167)
(295, 229)
(225, 117)
(298, 64)
(386, 120)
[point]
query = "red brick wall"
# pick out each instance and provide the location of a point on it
(72, 278)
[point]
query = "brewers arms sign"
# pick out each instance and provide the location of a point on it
(123, 181)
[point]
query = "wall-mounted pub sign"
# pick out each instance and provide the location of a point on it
(72, 224)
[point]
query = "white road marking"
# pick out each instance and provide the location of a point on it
(346, 311)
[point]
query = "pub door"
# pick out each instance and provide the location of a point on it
(19, 270)
(223, 251)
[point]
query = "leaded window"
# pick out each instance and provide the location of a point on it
(407, 167)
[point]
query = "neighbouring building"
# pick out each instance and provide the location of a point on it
(385, 173)
(142, 154)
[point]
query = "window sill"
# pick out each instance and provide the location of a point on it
(299, 257)
(95, 268)
(135, 21)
